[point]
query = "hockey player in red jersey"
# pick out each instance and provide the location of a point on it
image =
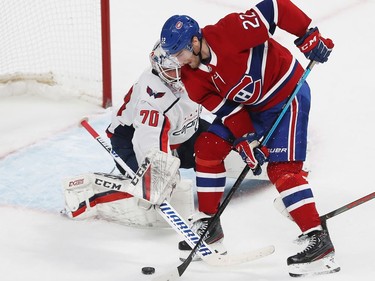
(236, 70)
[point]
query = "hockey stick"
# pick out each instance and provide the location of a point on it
(345, 208)
(170, 215)
(287, 104)
(182, 267)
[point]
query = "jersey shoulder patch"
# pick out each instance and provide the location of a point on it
(154, 94)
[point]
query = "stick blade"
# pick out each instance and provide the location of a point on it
(170, 276)
(234, 259)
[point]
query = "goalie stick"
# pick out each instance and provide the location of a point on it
(170, 215)
(263, 141)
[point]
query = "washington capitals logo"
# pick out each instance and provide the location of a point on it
(156, 95)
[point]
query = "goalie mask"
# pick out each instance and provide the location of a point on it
(166, 67)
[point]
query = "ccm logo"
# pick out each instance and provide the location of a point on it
(141, 171)
(107, 184)
(309, 44)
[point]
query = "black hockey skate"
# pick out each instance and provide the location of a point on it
(214, 238)
(317, 258)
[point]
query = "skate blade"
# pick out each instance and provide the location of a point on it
(325, 265)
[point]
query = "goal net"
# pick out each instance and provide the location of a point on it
(58, 43)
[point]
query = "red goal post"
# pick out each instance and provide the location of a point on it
(58, 42)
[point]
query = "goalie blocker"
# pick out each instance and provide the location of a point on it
(128, 201)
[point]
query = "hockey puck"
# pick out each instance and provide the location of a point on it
(148, 270)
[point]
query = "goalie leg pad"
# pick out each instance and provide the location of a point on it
(77, 192)
(97, 196)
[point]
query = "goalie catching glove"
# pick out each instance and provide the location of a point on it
(251, 152)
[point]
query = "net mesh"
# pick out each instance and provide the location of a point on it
(60, 39)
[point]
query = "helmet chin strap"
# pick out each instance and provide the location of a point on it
(199, 54)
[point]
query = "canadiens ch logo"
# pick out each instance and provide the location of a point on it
(246, 91)
(179, 25)
(156, 95)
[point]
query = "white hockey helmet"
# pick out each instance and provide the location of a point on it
(166, 66)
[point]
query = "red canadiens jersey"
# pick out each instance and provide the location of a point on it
(248, 69)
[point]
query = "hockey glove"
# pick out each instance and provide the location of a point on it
(252, 154)
(314, 46)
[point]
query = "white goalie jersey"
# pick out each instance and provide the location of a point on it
(156, 117)
(162, 117)
(159, 117)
